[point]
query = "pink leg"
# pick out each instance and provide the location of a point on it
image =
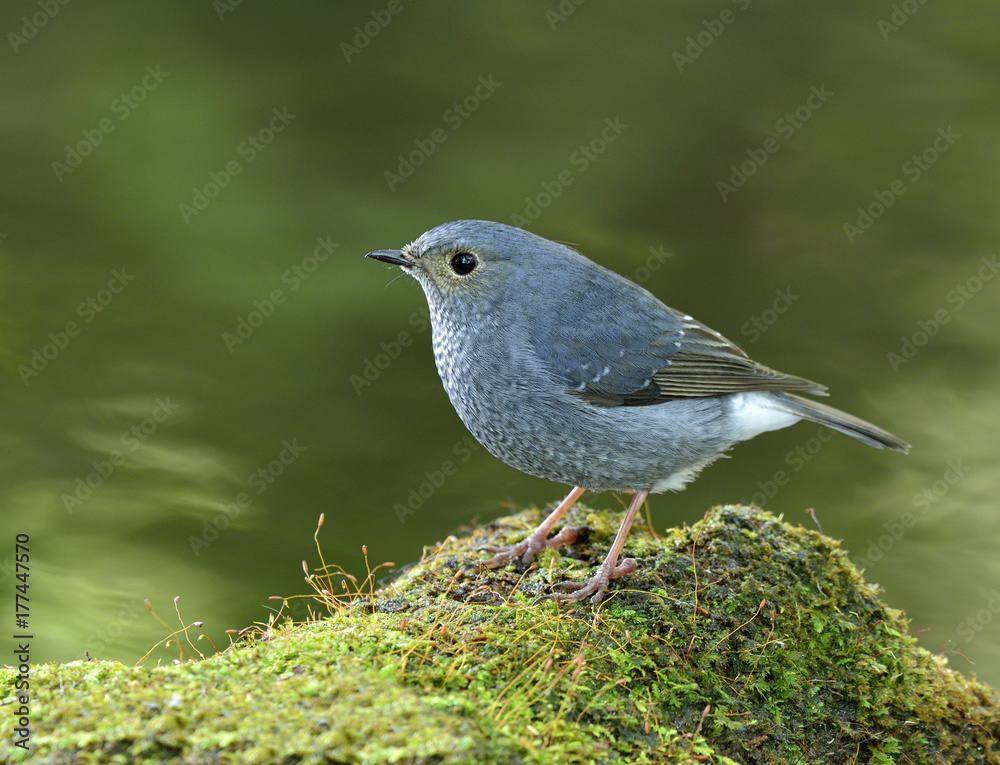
(610, 569)
(538, 539)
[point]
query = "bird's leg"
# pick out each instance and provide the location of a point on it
(538, 539)
(610, 569)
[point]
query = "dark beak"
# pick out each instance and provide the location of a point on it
(395, 257)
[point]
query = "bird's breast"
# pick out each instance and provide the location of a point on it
(487, 373)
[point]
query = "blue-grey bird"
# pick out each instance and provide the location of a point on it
(567, 371)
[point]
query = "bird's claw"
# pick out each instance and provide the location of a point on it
(597, 585)
(527, 549)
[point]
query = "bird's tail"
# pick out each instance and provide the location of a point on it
(842, 421)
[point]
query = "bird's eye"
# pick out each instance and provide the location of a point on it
(462, 263)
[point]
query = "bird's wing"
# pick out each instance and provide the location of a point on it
(637, 352)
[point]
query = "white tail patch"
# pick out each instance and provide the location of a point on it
(756, 413)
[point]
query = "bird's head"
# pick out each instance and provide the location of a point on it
(474, 264)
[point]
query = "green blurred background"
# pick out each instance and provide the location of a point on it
(206, 342)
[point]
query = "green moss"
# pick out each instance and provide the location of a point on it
(740, 639)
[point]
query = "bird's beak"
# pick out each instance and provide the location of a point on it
(395, 257)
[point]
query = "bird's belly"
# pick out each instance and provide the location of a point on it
(563, 439)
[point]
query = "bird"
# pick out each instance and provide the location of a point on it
(570, 372)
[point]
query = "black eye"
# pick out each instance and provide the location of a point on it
(462, 263)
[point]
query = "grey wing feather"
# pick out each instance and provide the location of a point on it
(631, 350)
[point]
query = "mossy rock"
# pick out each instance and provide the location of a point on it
(741, 639)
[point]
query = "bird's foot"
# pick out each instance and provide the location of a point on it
(530, 547)
(597, 585)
